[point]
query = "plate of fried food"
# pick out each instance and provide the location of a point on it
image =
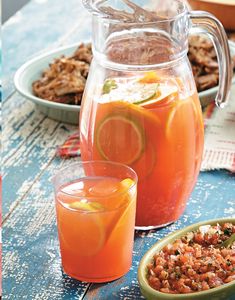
(55, 80)
(203, 59)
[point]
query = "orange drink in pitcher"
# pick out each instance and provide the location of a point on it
(146, 123)
(141, 106)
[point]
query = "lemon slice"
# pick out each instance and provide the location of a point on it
(150, 77)
(83, 233)
(87, 206)
(81, 228)
(115, 232)
(185, 106)
(126, 145)
(124, 201)
(125, 186)
(127, 183)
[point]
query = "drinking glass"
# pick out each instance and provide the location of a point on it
(95, 206)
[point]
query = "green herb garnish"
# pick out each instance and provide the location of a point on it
(109, 85)
(228, 231)
(228, 263)
(177, 275)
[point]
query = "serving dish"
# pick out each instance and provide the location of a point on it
(209, 95)
(32, 70)
(224, 10)
(224, 292)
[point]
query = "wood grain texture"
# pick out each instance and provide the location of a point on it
(30, 141)
(28, 151)
(31, 254)
(21, 120)
(31, 260)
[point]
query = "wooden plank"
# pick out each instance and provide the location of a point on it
(212, 198)
(31, 262)
(21, 123)
(17, 114)
(35, 149)
(20, 120)
(29, 143)
(20, 116)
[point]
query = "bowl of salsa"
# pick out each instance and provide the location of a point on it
(191, 263)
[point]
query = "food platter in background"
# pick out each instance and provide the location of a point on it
(209, 95)
(31, 71)
(68, 113)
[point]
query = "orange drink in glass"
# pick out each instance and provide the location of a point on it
(95, 206)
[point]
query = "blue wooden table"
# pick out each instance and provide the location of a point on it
(31, 260)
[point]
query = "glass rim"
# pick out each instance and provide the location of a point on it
(80, 163)
(91, 7)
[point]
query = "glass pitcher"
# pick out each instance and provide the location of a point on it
(141, 107)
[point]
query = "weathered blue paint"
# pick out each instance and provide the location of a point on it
(31, 263)
(29, 154)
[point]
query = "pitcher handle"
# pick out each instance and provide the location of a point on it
(203, 22)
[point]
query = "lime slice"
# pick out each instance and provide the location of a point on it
(165, 93)
(120, 139)
(141, 92)
(132, 92)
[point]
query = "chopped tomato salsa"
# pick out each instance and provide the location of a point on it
(195, 262)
